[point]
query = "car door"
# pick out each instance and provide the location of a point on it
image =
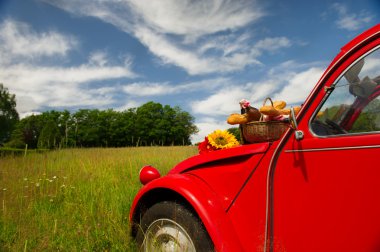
(324, 190)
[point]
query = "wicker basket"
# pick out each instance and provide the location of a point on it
(256, 132)
(260, 131)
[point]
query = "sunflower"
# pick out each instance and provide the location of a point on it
(205, 147)
(222, 139)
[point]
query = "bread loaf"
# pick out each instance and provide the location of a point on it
(237, 119)
(279, 104)
(269, 111)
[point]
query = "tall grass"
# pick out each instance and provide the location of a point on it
(75, 199)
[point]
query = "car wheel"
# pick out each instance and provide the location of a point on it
(169, 226)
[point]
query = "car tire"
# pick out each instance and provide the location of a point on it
(169, 226)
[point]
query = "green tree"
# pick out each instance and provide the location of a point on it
(8, 114)
(27, 131)
(183, 127)
(122, 129)
(90, 128)
(369, 119)
(66, 127)
(235, 131)
(167, 135)
(17, 137)
(163, 125)
(50, 136)
(147, 117)
(149, 124)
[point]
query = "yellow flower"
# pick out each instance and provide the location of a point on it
(222, 139)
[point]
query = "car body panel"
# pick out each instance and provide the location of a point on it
(221, 155)
(248, 213)
(192, 173)
(315, 194)
(205, 203)
(227, 178)
(326, 188)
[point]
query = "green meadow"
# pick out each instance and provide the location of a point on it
(75, 199)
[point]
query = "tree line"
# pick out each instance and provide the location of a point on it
(149, 124)
(8, 113)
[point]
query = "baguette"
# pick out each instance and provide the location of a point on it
(269, 111)
(237, 119)
(279, 104)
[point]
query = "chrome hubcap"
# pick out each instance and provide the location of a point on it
(166, 235)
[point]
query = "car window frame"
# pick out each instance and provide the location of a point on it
(329, 90)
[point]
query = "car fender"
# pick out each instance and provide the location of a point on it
(200, 197)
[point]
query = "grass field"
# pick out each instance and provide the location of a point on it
(75, 199)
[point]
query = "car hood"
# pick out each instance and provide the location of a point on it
(202, 159)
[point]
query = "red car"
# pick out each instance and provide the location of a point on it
(317, 188)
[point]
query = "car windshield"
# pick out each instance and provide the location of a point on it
(353, 105)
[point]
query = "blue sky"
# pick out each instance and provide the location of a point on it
(203, 56)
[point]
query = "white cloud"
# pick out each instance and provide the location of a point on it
(371, 66)
(234, 55)
(158, 89)
(39, 86)
(24, 76)
(18, 40)
(299, 86)
(98, 58)
(195, 18)
(187, 33)
(224, 102)
(272, 44)
(129, 104)
(170, 53)
(69, 96)
(60, 86)
(23, 115)
(149, 89)
(227, 44)
(350, 21)
(257, 92)
(206, 126)
(25, 105)
(290, 82)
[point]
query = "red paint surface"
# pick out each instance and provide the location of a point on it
(148, 173)
(316, 194)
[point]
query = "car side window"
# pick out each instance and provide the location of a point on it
(353, 105)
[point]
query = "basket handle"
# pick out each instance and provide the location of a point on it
(266, 99)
